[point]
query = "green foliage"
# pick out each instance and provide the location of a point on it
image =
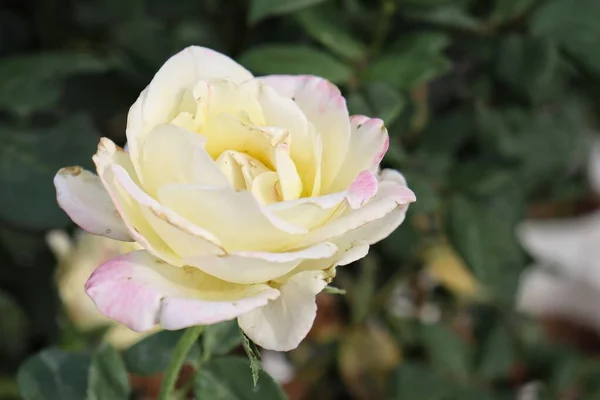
(220, 339)
(152, 354)
(489, 107)
(294, 60)
(227, 378)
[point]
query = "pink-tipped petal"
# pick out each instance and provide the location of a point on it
(141, 291)
(369, 141)
(362, 189)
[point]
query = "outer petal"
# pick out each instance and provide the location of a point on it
(83, 197)
(171, 90)
(282, 324)
(256, 267)
(325, 107)
(369, 142)
(173, 155)
(140, 291)
(570, 244)
(235, 218)
(542, 293)
(373, 222)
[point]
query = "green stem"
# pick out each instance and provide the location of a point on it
(182, 348)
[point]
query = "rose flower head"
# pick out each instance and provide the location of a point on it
(245, 194)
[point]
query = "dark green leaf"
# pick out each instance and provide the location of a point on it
(414, 61)
(153, 354)
(377, 100)
(509, 9)
(229, 378)
(295, 60)
(29, 159)
(220, 339)
(33, 82)
(322, 24)
(108, 377)
(260, 9)
(54, 374)
(483, 233)
(13, 325)
(498, 354)
(574, 26)
(446, 350)
(451, 16)
(528, 65)
(419, 381)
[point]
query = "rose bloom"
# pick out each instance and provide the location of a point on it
(245, 194)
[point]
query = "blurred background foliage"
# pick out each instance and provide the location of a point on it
(490, 106)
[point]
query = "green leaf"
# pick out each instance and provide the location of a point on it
(446, 350)
(509, 9)
(108, 378)
(498, 354)
(260, 9)
(54, 374)
(528, 65)
(13, 325)
(414, 381)
(220, 339)
(34, 81)
(229, 378)
(29, 159)
(294, 60)
(483, 233)
(574, 27)
(377, 100)
(153, 354)
(450, 15)
(323, 25)
(253, 357)
(414, 61)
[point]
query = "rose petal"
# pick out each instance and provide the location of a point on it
(325, 107)
(305, 145)
(309, 212)
(140, 291)
(173, 155)
(256, 267)
(369, 142)
(373, 222)
(171, 86)
(283, 323)
(570, 244)
(83, 197)
(542, 293)
(362, 189)
(160, 231)
(235, 218)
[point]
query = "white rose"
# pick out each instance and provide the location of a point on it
(245, 194)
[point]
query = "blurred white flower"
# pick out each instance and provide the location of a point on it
(565, 281)
(77, 259)
(278, 366)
